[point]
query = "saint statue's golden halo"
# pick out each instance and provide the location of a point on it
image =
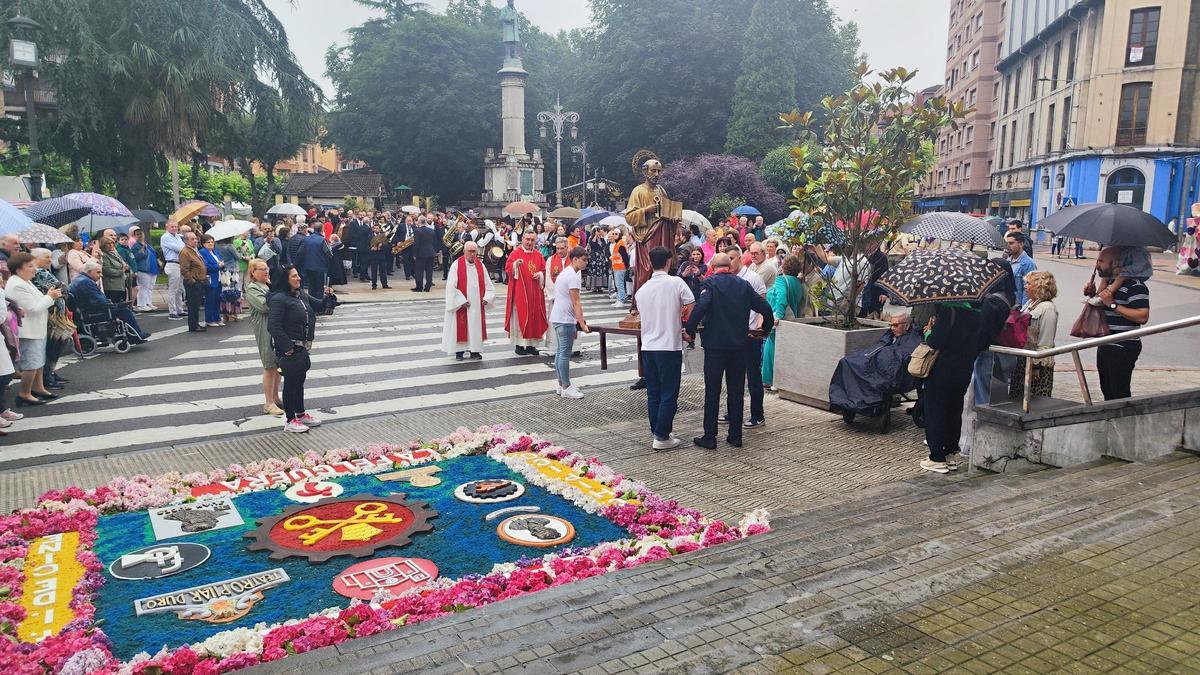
(642, 160)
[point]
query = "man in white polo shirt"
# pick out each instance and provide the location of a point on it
(664, 301)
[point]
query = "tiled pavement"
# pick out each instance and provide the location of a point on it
(1087, 570)
(872, 566)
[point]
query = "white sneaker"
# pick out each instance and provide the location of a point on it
(308, 420)
(571, 392)
(618, 304)
(295, 426)
(4, 423)
(558, 389)
(671, 442)
(218, 324)
(11, 416)
(936, 467)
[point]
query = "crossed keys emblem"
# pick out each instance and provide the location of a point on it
(355, 528)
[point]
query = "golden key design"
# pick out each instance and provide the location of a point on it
(355, 528)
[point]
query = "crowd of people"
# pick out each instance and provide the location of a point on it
(282, 274)
(45, 294)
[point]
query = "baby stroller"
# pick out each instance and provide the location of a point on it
(97, 327)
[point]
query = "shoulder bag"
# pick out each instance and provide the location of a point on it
(1092, 321)
(920, 364)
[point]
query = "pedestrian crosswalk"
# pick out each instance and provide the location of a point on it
(368, 359)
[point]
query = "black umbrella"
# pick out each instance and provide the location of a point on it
(948, 275)
(58, 211)
(954, 226)
(1109, 224)
(148, 216)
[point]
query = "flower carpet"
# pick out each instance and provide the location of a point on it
(209, 573)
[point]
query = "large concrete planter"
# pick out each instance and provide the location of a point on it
(807, 352)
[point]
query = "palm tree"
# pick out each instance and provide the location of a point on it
(139, 79)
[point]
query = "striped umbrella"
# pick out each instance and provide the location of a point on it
(954, 226)
(102, 205)
(926, 277)
(58, 211)
(12, 219)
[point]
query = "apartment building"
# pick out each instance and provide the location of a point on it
(959, 181)
(1098, 103)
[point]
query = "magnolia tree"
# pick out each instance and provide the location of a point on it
(858, 159)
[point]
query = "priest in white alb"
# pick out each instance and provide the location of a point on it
(469, 292)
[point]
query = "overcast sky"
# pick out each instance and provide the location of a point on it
(911, 33)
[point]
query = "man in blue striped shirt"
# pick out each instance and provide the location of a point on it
(1129, 309)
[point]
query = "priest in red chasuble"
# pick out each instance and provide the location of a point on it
(469, 292)
(525, 312)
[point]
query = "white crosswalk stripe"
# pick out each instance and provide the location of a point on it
(367, 359)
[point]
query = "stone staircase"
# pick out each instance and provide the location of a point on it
(1090, 568)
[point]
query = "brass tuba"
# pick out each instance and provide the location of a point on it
(450, 240)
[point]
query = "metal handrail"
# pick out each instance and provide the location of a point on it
(1075, 347)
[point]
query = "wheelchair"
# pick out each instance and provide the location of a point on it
(97, 327)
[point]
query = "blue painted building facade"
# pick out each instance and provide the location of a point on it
(1162, 184)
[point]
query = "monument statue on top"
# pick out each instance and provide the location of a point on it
(512, 173)
(512, 34)
(653, 217)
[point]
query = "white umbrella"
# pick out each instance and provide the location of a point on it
(693, 218)
(241, 209)
(227, 229)
(94, 223)
(409, 208)
(614, 221)
(287, 209)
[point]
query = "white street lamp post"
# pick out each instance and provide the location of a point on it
(581, 150)
(558, 118)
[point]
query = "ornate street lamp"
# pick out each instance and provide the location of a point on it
(581, 149)
(558, 118)
(23, 52)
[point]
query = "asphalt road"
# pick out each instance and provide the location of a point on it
(369, 359)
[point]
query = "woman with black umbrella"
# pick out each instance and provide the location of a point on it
(953, 333)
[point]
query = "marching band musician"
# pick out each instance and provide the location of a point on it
(404, 235)
(389, 230)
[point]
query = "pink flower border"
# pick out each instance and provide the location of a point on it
(660, 528)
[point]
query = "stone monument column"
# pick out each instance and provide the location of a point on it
(512, 106)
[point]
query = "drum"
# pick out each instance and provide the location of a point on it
(494, 255)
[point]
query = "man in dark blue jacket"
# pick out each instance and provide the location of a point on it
(312, 260)
(425, 248)
(724, 308)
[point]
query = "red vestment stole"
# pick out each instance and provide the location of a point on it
(461, 315)
(525, 297)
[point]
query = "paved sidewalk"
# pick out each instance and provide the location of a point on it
(1163, 263)
(873, 564)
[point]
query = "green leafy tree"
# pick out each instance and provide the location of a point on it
(795, 52)
(445, 90)
(859, 158)
(660, 79)
(137, 80)
(777, 169)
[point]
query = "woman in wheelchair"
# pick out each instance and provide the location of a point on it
(95, 313)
